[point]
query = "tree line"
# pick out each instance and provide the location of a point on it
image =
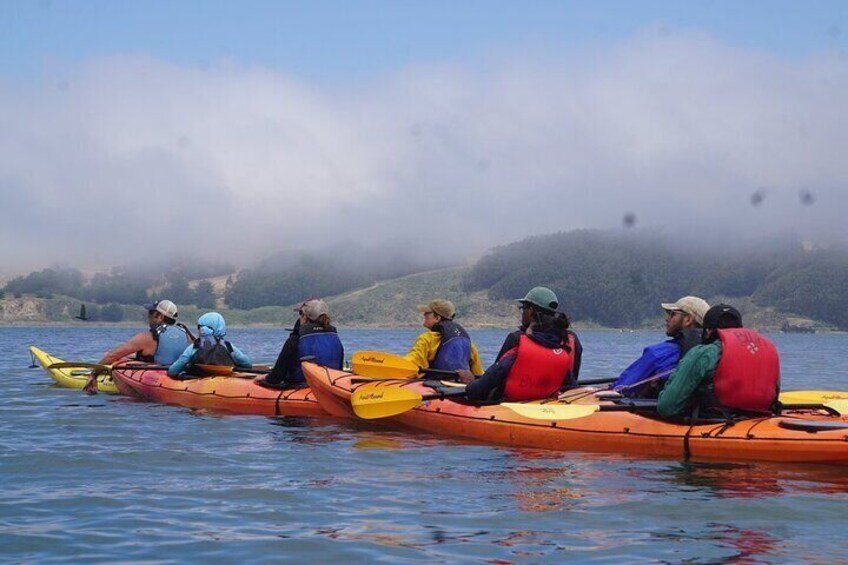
(617, 279)
(122, 285)
(613, 278)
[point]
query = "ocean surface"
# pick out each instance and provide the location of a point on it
(104, 479)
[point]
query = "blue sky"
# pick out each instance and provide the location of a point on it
(252, 122)
(342, 38)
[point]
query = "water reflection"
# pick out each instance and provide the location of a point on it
(734, 480)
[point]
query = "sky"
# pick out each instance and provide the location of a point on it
(232, 130)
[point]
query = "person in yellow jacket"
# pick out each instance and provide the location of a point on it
(446, 345)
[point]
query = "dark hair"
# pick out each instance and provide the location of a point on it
(556, 323)
(323, 321)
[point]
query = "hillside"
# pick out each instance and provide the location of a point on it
(390, 303)
(603, 279)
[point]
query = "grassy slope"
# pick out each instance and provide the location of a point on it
(389, 303)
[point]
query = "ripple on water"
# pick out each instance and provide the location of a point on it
(106, 479)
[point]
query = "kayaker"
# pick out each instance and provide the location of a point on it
(538, 300)
(446, 345)
(162, 343)
(735, 370)
(210, 348)
(545, 357)
(683, 323)
(313, 337)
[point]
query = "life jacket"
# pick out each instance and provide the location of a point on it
(748, 374)
(454, 350)
(211, 351)
(171, 341)
(323, 345)
(538, 371)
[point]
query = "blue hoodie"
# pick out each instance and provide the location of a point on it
(211, 324)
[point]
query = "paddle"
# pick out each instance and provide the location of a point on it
(379, 365)
(574, 411)
(217, 370)
(377, 401)
(802, 396)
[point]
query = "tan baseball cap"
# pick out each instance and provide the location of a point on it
(164, 307)
(691, 305)
(440, 306)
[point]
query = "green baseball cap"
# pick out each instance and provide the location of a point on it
(542, 297)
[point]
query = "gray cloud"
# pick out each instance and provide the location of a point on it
(129, 158)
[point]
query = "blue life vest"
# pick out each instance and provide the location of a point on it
(454, 348)
(171, 341)
(323, 345)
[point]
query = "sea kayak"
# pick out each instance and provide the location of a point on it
(235, 394)
(801, 435)
(71, 377)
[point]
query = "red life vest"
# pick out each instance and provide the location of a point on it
(748, 373)
(538, 371)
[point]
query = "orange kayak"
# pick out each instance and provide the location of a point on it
(236, 394)
(801, 435)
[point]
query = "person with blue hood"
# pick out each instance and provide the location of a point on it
(210, 348)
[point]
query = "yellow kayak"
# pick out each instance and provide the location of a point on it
(70, 377)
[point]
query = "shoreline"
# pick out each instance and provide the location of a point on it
(577, 327)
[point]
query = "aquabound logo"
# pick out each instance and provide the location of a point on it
(371, 396)
(377, 360)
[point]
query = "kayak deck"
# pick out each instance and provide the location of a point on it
(70, 377)
(756, 439)
(235, 394)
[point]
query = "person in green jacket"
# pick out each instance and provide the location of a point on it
(689, 381)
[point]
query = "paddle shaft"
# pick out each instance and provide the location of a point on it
(441, 395)
(139, 367)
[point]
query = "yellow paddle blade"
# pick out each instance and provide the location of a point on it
(552, 411)
(378, 401)
(381, 365)
(840, 406)
(811, 396)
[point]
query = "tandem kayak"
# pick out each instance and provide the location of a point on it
(804, 435)
(71, 377)
(235, 394)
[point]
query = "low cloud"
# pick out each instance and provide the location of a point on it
(128, 158)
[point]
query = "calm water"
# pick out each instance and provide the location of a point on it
(106, 479)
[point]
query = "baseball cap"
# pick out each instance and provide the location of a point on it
(164, 307)
(543, 297)
(440, 306)
(691, 305)
(722, 316)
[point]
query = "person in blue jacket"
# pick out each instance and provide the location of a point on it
(210, 348)
(313, 338)
(683, 321)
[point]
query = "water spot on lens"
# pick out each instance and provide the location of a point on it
(806, 197)
(629, 220)
(758, 197)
